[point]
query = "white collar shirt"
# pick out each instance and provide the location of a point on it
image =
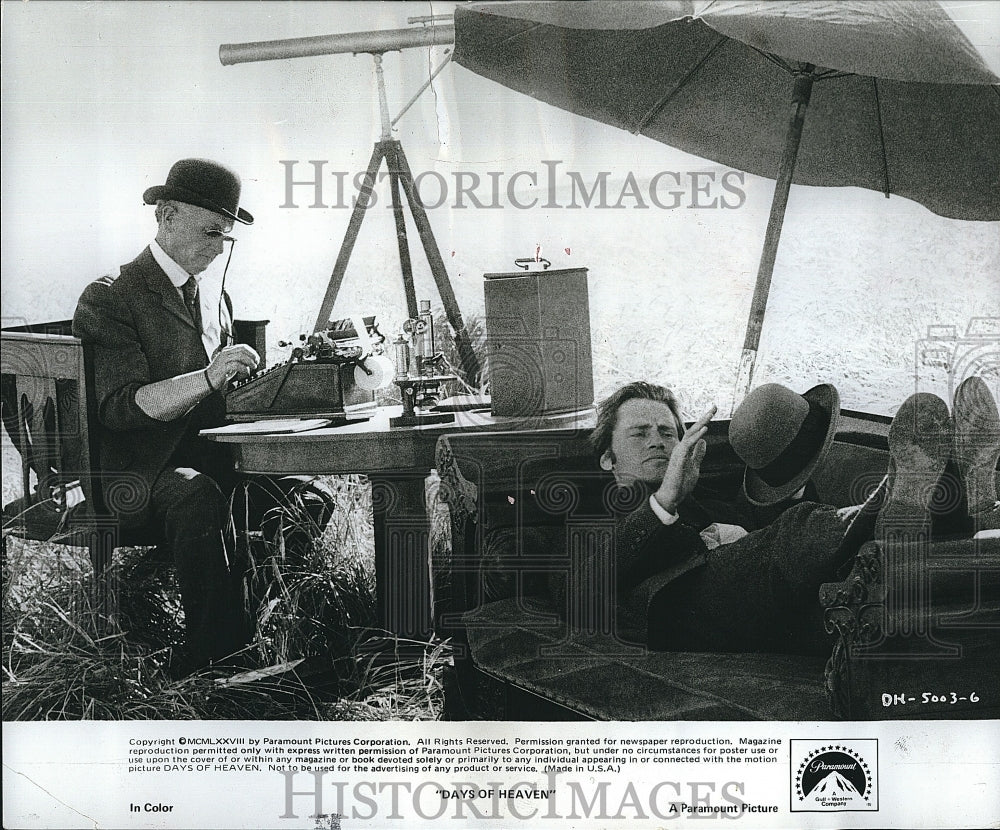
(713, 536)
(214, 312)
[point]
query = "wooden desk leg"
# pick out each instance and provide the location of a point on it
(402, 569)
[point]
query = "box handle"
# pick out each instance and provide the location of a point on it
(527, 261)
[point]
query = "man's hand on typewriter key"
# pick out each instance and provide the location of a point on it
(231, 363)
(168, 399)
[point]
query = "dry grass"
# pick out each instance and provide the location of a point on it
(316, 626)
(316, 623)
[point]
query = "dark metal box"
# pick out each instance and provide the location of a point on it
(538, 342)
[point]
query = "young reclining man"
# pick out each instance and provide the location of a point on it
(693, 575)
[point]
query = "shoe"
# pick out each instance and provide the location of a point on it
(976, 450)
(920, 443)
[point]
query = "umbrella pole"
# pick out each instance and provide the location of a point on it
(751, 341)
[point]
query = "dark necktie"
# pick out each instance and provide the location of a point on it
(192, 301)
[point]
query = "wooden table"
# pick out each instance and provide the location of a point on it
(397, 460)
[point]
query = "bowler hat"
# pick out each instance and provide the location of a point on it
(204, 183)
(782, 437)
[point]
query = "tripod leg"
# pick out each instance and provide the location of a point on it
(350, 237)
(470, 364)
(392, 160)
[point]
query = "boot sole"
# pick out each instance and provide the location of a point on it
(920, 442)
(977, 442)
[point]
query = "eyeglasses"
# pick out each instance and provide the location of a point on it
(211, 233)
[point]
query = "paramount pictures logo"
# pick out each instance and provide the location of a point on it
(834, 776)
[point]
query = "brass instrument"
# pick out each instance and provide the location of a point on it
(418, 372)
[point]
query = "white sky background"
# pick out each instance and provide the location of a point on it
(99, 98)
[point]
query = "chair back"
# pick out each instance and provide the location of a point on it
(46, 413)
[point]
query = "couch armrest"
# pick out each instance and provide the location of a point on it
(913, 619)
(853, 611)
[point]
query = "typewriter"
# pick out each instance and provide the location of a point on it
(320, 379)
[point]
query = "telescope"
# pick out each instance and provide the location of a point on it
(435, 30)
(374, 42)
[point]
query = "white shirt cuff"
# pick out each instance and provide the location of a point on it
(663, 515)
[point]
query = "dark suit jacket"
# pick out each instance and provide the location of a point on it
(646, 554)
(140, 332)
(649, 555)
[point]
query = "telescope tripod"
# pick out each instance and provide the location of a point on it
(401, 178)
(376, 44)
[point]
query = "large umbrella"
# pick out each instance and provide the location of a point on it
(889, 95)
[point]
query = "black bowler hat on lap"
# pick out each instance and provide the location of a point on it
(204, 183)
(782, 437)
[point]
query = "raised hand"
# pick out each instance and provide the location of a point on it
(684, 467)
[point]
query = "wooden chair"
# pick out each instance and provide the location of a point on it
(49, 413)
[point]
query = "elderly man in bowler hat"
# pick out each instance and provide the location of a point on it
(162, 361)
(697, 574)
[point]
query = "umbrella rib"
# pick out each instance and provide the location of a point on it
(825, 75)
(665, 99)
(881, 137)
(771, 58)
(831, 73)
(521, 33)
